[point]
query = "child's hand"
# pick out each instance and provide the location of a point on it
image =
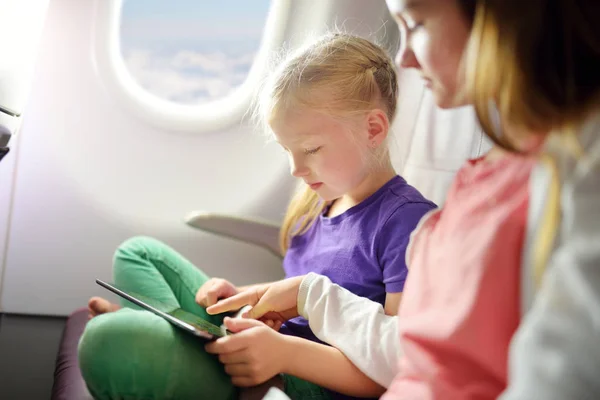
(254, 354)
(277, 301)
(213, 290)
(274, 324)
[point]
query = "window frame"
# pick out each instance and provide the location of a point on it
(215, 115)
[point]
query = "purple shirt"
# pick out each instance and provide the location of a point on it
(363, 249)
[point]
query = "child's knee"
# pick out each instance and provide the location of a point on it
(136, 246)
(112, 346)
(137, 352)
(94, 345)
(101, 335)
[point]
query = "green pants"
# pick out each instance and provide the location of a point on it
(134, 354)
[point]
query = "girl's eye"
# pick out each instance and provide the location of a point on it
(312, 151)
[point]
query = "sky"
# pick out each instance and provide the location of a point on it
(191, 51)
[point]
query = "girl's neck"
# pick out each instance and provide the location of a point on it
(529, 146)
(372, 183)
(525, 141)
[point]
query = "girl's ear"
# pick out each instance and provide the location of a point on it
(377, 127)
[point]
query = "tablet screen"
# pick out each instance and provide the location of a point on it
(178, 313)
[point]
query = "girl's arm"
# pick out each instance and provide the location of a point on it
(251, 287)
(327, 366)
(392, 303)
(357, 326)
(254, 353)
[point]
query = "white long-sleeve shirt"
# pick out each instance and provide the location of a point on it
(355, 325)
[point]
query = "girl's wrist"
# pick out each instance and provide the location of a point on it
(290, 345)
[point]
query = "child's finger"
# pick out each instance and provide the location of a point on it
(232, 303)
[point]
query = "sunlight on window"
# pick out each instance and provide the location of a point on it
(191, 51)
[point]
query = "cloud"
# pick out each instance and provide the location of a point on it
(211, 62)
(188, 77)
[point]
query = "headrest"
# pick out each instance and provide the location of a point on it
(431, 144)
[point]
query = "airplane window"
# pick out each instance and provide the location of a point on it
(191, 51)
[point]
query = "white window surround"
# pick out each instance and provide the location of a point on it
(213, 116)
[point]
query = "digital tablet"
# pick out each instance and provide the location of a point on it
(180, 318)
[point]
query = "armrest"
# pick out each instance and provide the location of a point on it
(261, 233)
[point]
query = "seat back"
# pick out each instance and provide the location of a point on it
(429, 145)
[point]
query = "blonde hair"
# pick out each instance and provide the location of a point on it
(537, 64)
(339, 74)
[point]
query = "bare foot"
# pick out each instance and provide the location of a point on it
(99, 305)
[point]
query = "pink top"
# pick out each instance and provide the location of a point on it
(460, 306)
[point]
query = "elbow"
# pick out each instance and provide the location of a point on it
(362, 388)
(370, 390)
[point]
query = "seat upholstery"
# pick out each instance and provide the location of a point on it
(68, 382)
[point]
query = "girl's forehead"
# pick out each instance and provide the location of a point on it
(300, 116)
(303, 124)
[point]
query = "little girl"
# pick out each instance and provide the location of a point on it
(329, 106)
